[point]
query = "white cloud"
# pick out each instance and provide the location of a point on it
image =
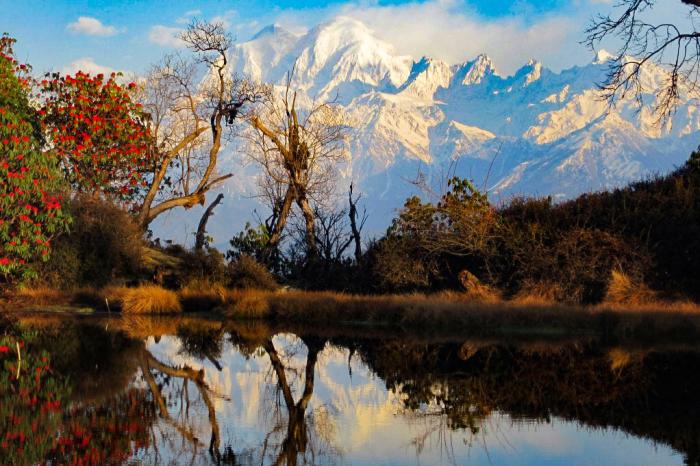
(165, 36)
(225, 19)
(187, 16)
(452, 30)
(87, 65)
(91, 27)
(448, 31)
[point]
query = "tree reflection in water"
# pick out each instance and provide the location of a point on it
(296, 440)
(54, 412)
(122, 400)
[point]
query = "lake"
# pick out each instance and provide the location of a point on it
(200, 391)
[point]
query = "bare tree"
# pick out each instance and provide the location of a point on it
(665, 44)
(332, 234)
(336, 229)
(298, 150)
(190, 102)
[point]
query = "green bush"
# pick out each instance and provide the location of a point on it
(31, 184)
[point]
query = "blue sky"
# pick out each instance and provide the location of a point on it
(129, 35)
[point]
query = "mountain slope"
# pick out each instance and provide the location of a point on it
(536, 132)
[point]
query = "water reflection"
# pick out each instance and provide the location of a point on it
(193, 391)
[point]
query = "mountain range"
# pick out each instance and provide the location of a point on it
(419, 120)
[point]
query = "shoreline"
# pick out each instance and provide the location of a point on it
(445, 312)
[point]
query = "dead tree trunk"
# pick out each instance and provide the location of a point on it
(280, 221)
(356, 231)
(202, 228)
(310, 221)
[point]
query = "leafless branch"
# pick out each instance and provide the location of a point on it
(645, 43)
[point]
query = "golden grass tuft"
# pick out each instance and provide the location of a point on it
(538, 293)
(619, 359)
(623, 290)
(202, 296)
(146, 299)
(251, 304)
(475, 290)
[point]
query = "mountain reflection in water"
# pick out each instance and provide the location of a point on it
(196, 391)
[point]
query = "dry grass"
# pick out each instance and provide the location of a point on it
(441, 309)
(202, 296)
(461, 311)
(40, 296)
(538, 294)
(619, 359)
(146, 299)
(44, 297)
(475, 290)
(623, 290)
(254, 304)
(479, 310)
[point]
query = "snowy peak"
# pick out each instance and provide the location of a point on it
(267, 54)
(272, 30)
(602, 56)
(475, 71)
(530, 72)
(342, 56)
(427, 75)
(346, 51)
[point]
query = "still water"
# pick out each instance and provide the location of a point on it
(195, 391)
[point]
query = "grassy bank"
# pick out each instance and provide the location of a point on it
(481, 314)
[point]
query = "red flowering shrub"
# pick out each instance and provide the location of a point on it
(98, 133)
(30, 207)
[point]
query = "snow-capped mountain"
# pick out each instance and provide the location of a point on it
(535, 132)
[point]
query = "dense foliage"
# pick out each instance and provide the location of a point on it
(31, 210)
(98, 133)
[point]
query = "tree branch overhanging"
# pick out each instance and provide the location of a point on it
(643, 43)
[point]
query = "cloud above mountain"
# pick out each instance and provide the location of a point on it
(452, 30)
(165, 36)
(442, 29)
